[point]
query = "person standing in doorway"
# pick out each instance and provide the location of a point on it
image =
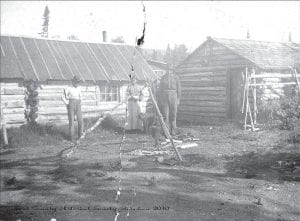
(72, 98)
(170, 92)
(134, 96)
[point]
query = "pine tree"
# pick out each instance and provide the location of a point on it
(167, 57)
(45, 23)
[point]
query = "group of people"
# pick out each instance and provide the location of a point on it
(168, 94)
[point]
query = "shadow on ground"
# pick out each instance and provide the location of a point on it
(268, 166)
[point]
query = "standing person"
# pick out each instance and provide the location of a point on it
(170, 91)
(134, 96)
(72, 98)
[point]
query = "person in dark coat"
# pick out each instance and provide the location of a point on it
(170, 92)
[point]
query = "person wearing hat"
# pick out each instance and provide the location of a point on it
(170, 92)
(72, 98)
(134, 96)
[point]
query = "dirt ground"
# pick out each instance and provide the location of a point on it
(231, 175)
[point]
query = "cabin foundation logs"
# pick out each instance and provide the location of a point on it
(31, 102)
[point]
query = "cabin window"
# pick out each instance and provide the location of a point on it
(109, 93)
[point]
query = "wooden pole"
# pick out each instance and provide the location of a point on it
(4, 131)
(246, 97)
(254, 97)
(296, 78)
(164, 126)
(245, 85)
(251, 119)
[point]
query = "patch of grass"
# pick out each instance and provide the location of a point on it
(36, 135)
(277, 165)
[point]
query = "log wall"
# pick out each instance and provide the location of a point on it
(51, 107)
(206, 78)
(204, 87)
(12, 103)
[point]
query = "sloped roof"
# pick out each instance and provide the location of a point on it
(266, 55)
(47, 59)
(159, 64)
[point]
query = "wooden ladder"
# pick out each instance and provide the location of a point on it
(246, 105)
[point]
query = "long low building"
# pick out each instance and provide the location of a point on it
(104, 68)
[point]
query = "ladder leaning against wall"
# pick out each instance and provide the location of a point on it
(251, 84)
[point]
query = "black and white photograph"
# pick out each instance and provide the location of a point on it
(150, 111)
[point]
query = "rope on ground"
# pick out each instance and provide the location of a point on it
(119, 188)
(98, 122)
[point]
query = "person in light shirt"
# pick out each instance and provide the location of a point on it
(72, 98)
(134, 96)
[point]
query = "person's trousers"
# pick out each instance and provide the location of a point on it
(74, 109)
(169, 107)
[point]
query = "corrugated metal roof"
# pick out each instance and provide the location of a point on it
(47, 59)
(266, 55)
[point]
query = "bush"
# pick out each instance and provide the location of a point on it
(283, 113)
(289, 113)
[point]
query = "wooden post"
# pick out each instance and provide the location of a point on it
(254, 97)
(164, 126)
(3, 124)
(296, 78)
(246, 97)
(251, 119)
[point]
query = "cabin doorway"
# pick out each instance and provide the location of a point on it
(234, 93)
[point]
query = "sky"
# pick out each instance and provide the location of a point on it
(168, 22)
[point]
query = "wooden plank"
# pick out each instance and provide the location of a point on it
(60, 93)
(15, 125)
(187, 92)
(203, 83)
(203, 79)
(13, 104)
(270, 84)
(218, 57)
(55, 60)
(271, 75)
(14, 91)
(202, 103)
(58, 97)
(12, 97)
(30, 60)
(60, 103)
(204, 98)
(208, 68)
(202, 109)
(14, 85)
(43, 59)
(201, 74)
(8, 111)
(83, 61)
(15, 117)
(201, 114)
(202, 88)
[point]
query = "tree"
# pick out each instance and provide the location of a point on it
(167, 57)
(118, 39)
(179, 53)
(72, 37)
(154, 55)
(45, 25)
(175, 56)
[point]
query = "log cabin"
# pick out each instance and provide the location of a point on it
(213, 76)
(103, 67)
(159, 67)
